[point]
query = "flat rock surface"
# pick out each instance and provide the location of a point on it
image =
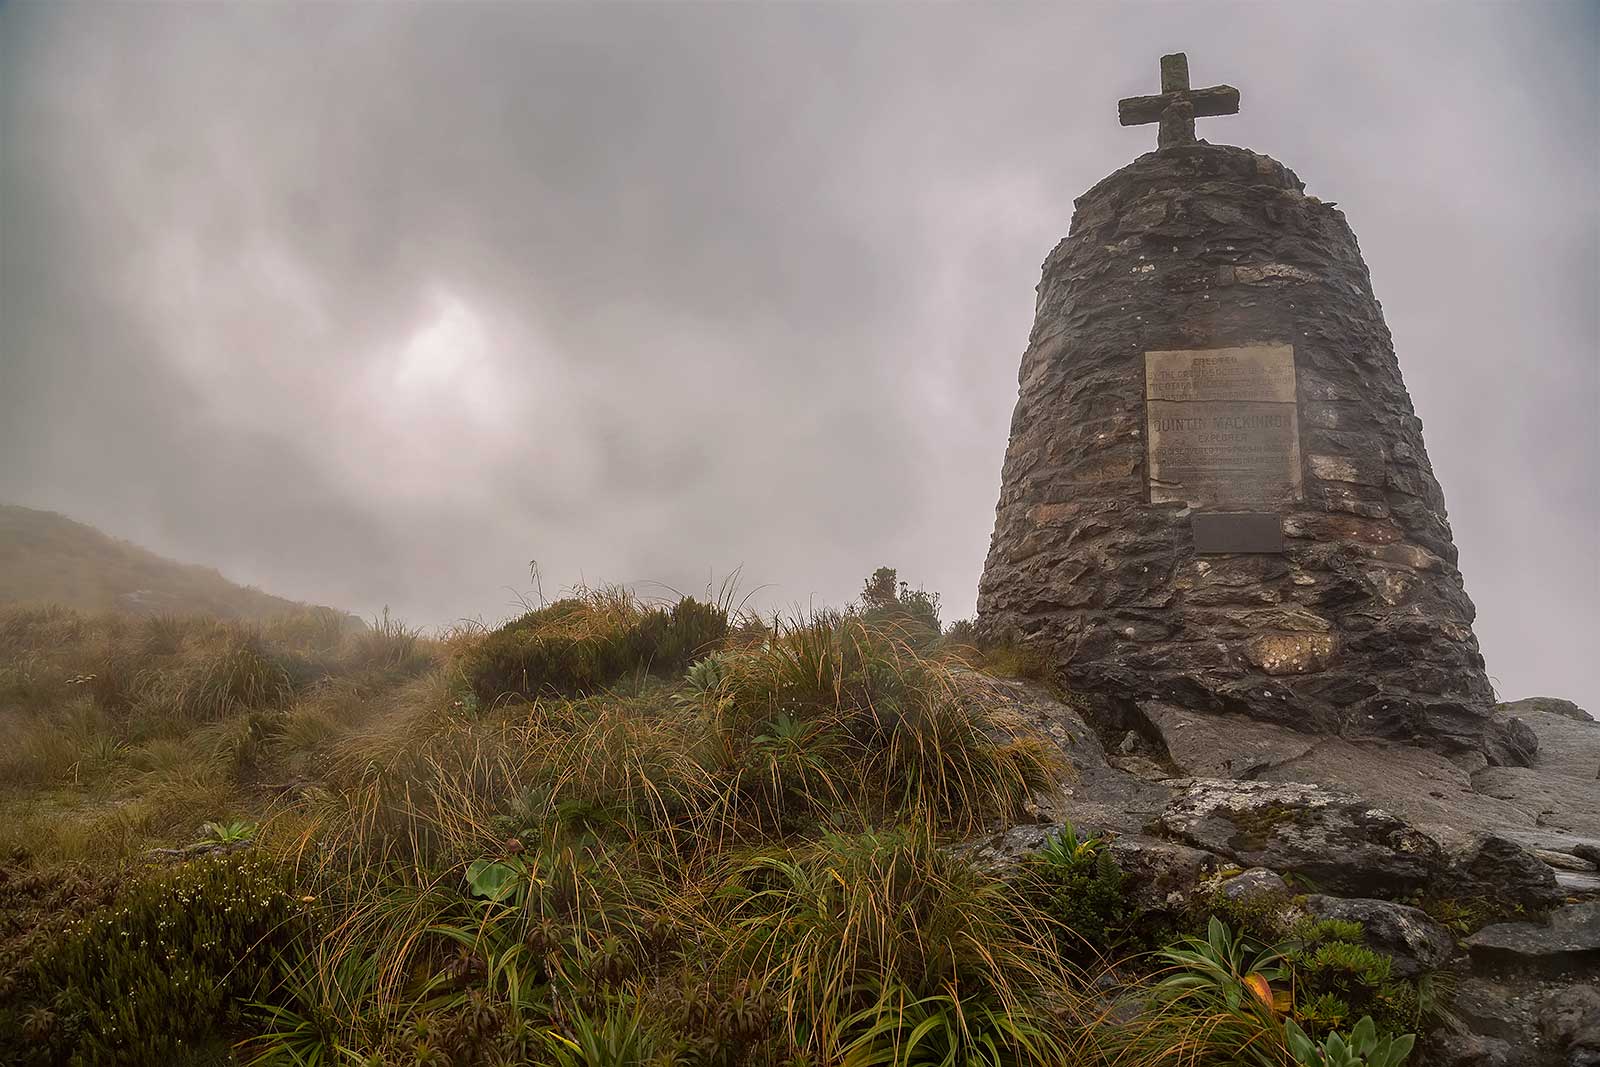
(1552, 705)
(1419, 785)
(1550, 810)
(1203, 745)
(1568, 746)
(1549, 839)
(1331, 837)
(1576, 884)
(1571, 937)
(1558, 794)
(1560, 790)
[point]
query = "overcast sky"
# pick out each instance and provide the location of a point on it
(371, 304)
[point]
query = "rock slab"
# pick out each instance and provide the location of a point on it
(1329, 837)
(1571, 939)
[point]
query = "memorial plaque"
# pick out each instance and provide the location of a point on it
(1252, 372)
(1222, 428)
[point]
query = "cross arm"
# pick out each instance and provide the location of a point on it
(1217, 100)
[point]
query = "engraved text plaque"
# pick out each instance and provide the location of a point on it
(1222, 428)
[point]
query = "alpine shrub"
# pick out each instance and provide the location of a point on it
(578, 646)
(1077, 883)
(152, 975)
(1359, 979)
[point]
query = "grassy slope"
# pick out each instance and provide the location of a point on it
(49, 558)
(744, 862)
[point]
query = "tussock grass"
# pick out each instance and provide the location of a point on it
(154, 725)
(611, 831)
(833, 928)
(586, 642)
(767, 827)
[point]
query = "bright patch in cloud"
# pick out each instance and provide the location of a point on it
(446, 361)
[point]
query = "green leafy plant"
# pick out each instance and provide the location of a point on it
(900, 1030)
(791, 762)
(1075, 880)
(1362, 1048)
(387, 644)
(232, 832)
(1214, 1003)
(510, 962)
(888, 602)
(500, 881)
(618, 1038)
(1221, 968)
(762, 816)
(705, 676)
(817, 927)
(39, 905)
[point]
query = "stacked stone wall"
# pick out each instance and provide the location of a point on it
(1362, 625)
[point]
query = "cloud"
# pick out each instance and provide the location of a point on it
(375, 303)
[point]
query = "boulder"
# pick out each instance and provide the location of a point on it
(1510, 742)
(1414, 942)
(1158, 874)
(1005, 850)
(1161, 873)
(1255, 884)
(1571, 939)
(1501, 869)
(1328, 836)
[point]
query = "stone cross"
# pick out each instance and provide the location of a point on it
(1178, 105)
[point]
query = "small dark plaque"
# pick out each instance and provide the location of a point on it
(1222, 532)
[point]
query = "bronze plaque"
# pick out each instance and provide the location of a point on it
(1222, 428)
(1250, 372)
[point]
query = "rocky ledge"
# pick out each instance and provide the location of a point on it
(1361, 830)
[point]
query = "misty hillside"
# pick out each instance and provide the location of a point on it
(48, 558)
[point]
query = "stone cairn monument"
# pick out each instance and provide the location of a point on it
(1216, 493)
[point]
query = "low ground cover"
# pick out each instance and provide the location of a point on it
(608, 832)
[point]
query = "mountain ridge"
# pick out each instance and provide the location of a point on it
(50, 558)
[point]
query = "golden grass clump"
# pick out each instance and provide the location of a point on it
(836, 928)
(587, 642)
